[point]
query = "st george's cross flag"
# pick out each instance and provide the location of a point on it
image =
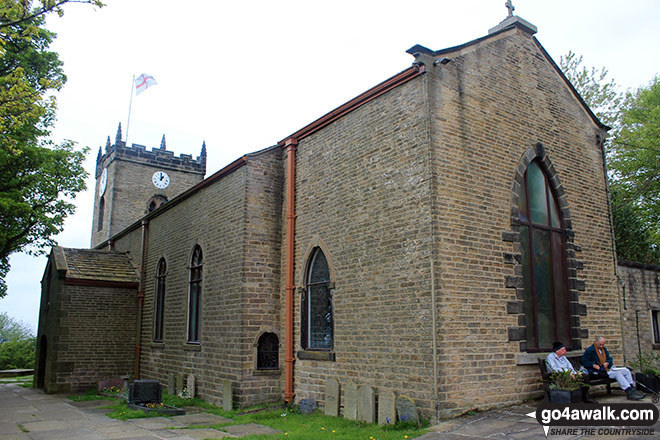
(143, 82)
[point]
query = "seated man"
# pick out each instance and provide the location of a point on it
(598, 362)
(557, 361)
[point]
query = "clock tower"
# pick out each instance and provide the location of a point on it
(132, 181)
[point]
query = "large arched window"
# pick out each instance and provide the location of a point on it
(159, 307)
(547, 312)
(317, 321)
(195, 296)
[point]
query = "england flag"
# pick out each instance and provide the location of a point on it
(143, 82)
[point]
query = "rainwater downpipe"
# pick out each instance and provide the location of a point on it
(140, 296)
(290, 147)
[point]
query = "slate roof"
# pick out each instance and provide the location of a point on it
(96, 265)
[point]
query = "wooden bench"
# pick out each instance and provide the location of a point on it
(577, 363)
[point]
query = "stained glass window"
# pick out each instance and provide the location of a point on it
(317, 317)
(268, 352)
(195, 296)
(159, 307)
(547, 313)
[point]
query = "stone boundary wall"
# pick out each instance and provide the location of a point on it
(640, 296)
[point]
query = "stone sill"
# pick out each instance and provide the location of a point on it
(656, 346)
(316, 355)
(192, 347)
(532, 358)
(277, 372)
(158, 344)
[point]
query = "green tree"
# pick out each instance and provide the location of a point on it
(635, 158)
(632, 150)
(12, 330)
(38, 178)
(17, 344)
(601, 94)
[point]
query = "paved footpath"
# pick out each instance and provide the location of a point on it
(28, 414)
(512, 423)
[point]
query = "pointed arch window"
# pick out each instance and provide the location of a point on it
(545, 284)
(99, 226)
(317, 317)
(195, 296)
(159, 307)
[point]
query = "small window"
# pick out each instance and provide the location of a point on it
(156, 202)
(317, 317)
(159, 308)
(268, 352)
(99, 226)
(655, 317)
(195, 296)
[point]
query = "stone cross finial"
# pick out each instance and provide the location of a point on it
(510, 7)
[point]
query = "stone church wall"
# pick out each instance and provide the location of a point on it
(235, 221)
(362, 195)
(90, 335)
(640, 297)
(492, 104)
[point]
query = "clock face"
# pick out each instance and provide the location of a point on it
(160, 179)
(103, 182)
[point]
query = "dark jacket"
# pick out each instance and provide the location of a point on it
(590, 357)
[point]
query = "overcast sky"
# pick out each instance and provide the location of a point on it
(243, 75)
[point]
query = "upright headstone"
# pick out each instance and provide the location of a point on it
(144, 391)
(386, 408)
(191, 386)
(307, 406)
(227, 397)
(350, 401)
(171, 384)
(406, 410)
(179, 382)
(332, 398)
(366, 407)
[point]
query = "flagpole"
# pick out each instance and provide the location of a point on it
(130, 104)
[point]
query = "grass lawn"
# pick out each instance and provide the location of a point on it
(293, 426)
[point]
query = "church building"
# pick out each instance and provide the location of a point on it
(431, 237)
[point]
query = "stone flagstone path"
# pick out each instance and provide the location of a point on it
(28, 414)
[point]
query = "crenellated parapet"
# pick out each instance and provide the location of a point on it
(158, 156)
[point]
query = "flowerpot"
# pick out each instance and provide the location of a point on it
(565, 396)
(648, 382)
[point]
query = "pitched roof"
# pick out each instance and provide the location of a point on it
(88, 266)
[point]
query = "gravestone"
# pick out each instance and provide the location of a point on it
(366, 407)
(406, 410)
(227, 397)
(386, 408)
(171, 384)
(350, 401)
(145, 391)
(332, 398)
(191, 386)
(179, 382)
(307, 406)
